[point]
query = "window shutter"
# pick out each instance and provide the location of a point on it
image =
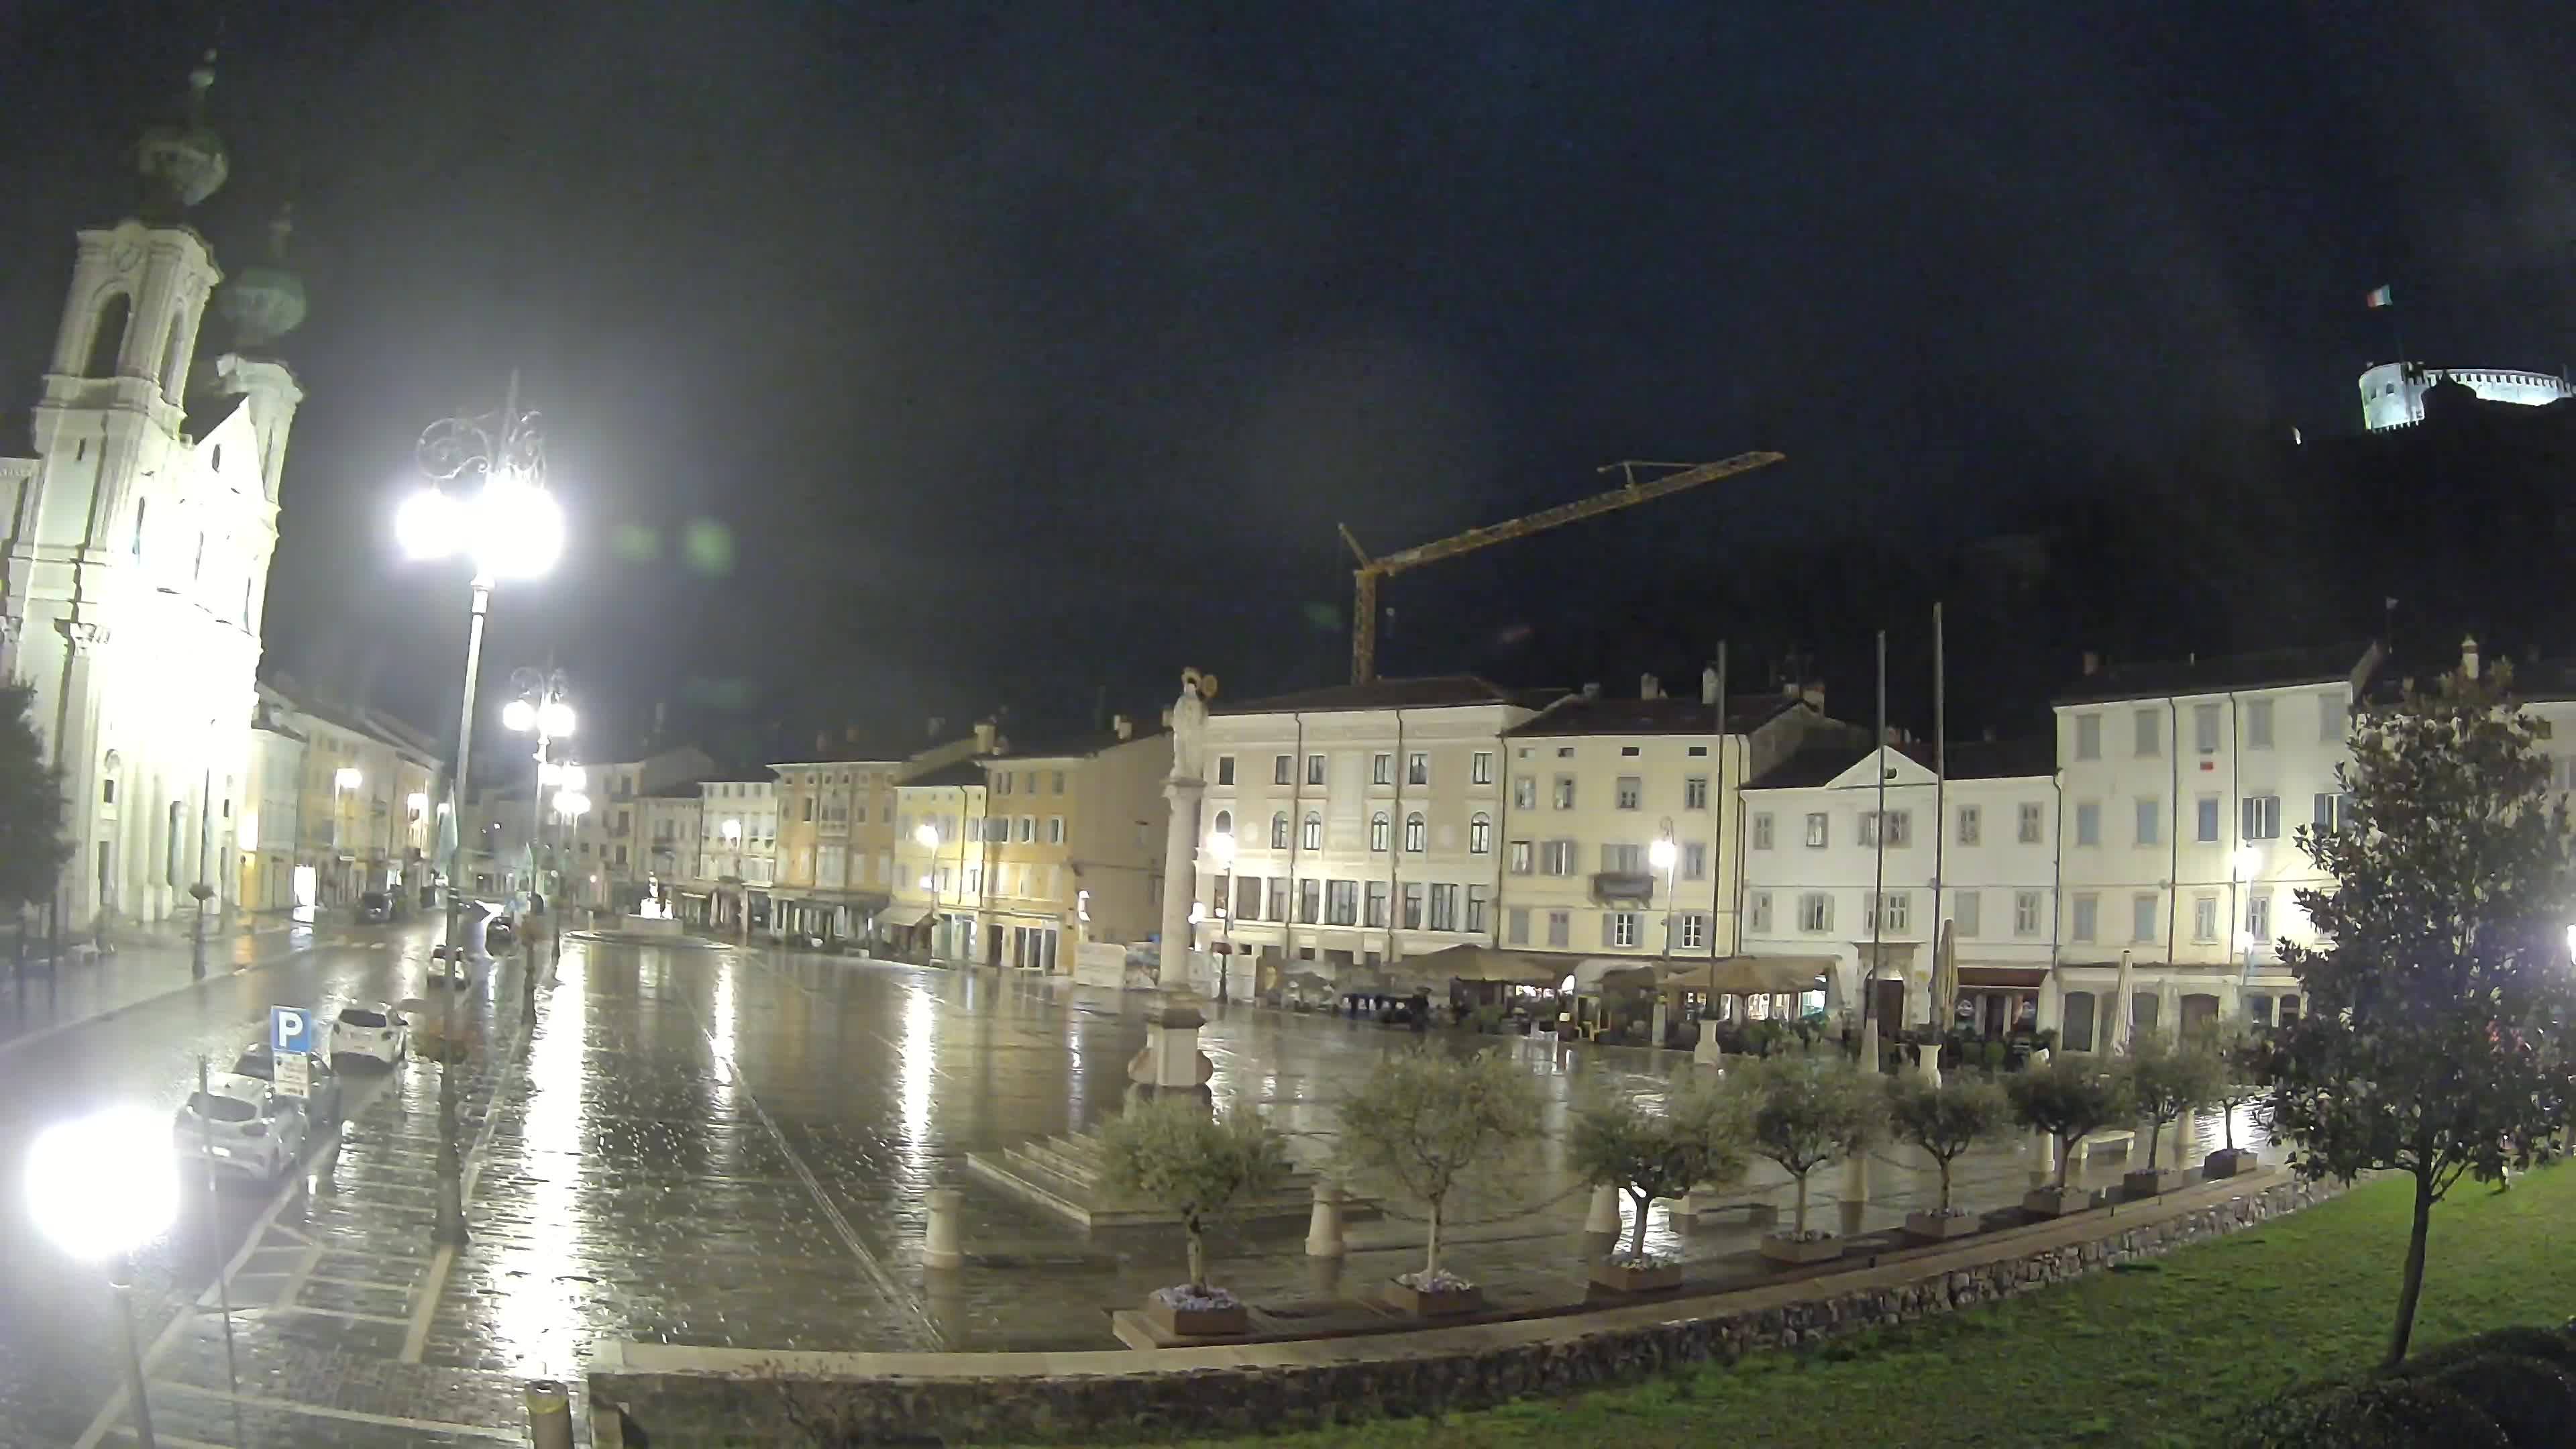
(1607, 936)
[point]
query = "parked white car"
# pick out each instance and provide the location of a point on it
(241, 1126)
(376, 1032)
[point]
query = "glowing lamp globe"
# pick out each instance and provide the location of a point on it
(1221, 848)
(1661, 854)
(928, 836)
(104, 1184)
(518, 716)
(555, 718)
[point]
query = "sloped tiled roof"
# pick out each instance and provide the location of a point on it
(969, 771)
(1821, 761)
(1072, 747)
(2269, 669)
(1432, 692)
(1575, 715)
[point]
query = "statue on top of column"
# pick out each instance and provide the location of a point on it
(1189, 725)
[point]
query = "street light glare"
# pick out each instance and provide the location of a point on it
(928, 836)
(733, 830)
(556, 718)
(571, 802)
(428, 524)
(103, 1184)
(1661, 854)
(347, 777)
(518, 529)
(1221, 847)
(518, 716)
(2246, 860)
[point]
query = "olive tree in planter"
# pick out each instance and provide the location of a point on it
(1697, 1140)
(1173, 1151)
(1808, 1109)
(2167, 1082)
(2240, 1056)
(1945, 1121)
(2068, 1098)
(1421, 1122)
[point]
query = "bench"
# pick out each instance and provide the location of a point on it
(2124, 1138)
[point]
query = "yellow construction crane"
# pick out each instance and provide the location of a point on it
(1629, 494)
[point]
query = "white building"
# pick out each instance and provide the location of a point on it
(360, 808)
(1595, 782)
(2392, 393)
(138, 539)
(1368, 821)
(1828, 876)
(738, 830)
(2182, 788)
(612, 864)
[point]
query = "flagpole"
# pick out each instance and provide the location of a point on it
(1940, 788)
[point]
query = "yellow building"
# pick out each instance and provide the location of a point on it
(837, 831)
(939, 857)
(1073, 846)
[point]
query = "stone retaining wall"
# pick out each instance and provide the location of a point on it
(685, 1397)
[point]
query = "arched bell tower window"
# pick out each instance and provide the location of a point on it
(107, 339)
(174, 356)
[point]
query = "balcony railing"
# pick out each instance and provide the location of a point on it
(1623, 885)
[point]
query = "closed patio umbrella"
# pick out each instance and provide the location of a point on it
(2122, 1003)
(1945, 977)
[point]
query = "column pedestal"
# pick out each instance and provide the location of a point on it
(1324, 1227)
(1602, 1218)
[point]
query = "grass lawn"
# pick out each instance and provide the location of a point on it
(2163, 1354)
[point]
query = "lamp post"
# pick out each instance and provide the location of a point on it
(926, 835)
(344, 782)
(1220, 847)
(741, 885)
(100, 1187)
(537, 707)
(1663, 855)
(506, 526)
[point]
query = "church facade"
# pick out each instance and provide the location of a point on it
(134, 567)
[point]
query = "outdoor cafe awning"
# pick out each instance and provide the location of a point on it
(1592, 973)
(1469, 962)
(1749, 975)
(900, 916)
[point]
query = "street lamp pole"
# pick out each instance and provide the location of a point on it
(1663, 855)
(741, 886)
(1221, 850)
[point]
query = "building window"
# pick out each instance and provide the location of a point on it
(1028, 829)
(1342, 907)
(2204, 728)
(1382, 768)
(1524, 793)
(2088, 737)
(1279, 831)
(2205, 819)
(2261, 817)
(1888, 911)
(1444, 908)
(1002, 783)
(2032, 823)
(1376, 903)
(1694, 926)
(1414, 833)
(2333, 812)
(2088, 822)
(1565, 792)
(2258, 724)
(2025, 913)
(2150, 821)
(1480, 769)
(1310, 901)
(2150, 728)
(1480, 834)
(2331, 720)
(2087, 923)
(1516, 926)
(1225, 769)
(1695, 860)
(1413, 905)
(1757, 912)
(2258, 917)
(1619, 928)
(2204, 918)
(1815, 912)
(1971, 824)
(1417, 769)
(1280, 766)
(1632, 792)
(107, 791)
(1623, 859)
(2077, 1035)
(1521, 857)
(1899, 828)
(1381, 831)
(1055, 830)
(1818, 833)
(1695, 793)
(1314, 769)
(1560, 929)
(1762, 831)
(1311, 835)
(2142, 918)
(1967, 912)
(1556, 857)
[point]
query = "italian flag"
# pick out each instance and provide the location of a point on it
(2377, 297)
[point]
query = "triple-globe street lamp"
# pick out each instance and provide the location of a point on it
(486, 502)
(538, 707)
(98, 1188)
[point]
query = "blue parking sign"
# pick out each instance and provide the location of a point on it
(290, 1029)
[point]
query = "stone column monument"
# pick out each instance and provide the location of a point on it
(1171, 1060)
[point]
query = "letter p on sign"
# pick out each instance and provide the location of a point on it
(290, 1029)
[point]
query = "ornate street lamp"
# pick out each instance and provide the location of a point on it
(486, 501)
(537, 707)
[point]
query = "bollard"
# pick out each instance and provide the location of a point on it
(1603, 1217)
(1324, 1228)
(939, 1235)
(549, 1415)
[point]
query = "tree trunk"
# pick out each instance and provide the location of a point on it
(2065, 1157)
(1431, 1259)
(1198, 1257)
(1643, 1202)
(1945, 1184)
(1801, 1219)
(2227, 1123)
(2412, 1288)
(2155, 1139)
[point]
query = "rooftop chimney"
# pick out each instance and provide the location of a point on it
(935, 722)
(2469, 656)
(1592, 690)
(1708, 685)
(1122, 726)
(983, 737)
(2092, 662)
(1649, 687)
(822, 743)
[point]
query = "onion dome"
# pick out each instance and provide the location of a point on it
(182, 162)
(264, 302)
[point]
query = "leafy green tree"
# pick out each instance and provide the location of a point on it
(2168, 1081)
(2438, 1000)
(2241, 1054)
(32, 845)
(2068, 1098)
(1699, 1137)
(1173, 1151)
(1945, 1121)
(1811, 1108)
(1422, 1120)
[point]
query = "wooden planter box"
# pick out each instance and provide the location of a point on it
(1198, 1322)
(1792, 1250)
(1621, 1278)
(2049, 1202)
(1937, 1228)
(2228, 1162)
(1435, 1305)
(2151, 1182)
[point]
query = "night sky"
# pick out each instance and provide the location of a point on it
(910, 359)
